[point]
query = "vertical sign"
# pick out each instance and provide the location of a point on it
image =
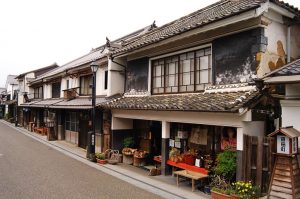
(93, 139)
(283, 144)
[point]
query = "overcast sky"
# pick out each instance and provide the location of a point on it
(35, 33)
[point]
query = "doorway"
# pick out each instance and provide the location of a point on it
(84, 128)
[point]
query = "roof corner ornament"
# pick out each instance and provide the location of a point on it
(153, 25)
(107, 42)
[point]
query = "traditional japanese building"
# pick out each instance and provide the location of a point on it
(190, 84)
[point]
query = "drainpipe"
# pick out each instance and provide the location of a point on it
(288, 44)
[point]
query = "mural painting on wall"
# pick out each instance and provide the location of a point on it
(270, 61)
(137, 76)
(233, 58)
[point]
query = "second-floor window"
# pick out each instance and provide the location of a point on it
(68, 84)
(105, 79)
(38, 92)
(86, 85)
(186, 72)
(56, 90)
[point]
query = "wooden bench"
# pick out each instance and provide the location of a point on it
(181, 165)
(191, 175)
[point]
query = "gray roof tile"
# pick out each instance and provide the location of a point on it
(217, 11)
(205, 102)
(292, 68)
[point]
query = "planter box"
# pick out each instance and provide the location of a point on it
(217, 195)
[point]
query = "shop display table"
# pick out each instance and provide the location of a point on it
(191, 175)
(182, 165)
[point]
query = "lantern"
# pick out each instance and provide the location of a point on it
(286, 140)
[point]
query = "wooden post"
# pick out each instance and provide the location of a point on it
(165, 146)
(259, 161)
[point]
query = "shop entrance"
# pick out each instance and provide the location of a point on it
(83, 129)
(148, 137)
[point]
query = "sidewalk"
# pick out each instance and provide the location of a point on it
(164, 186)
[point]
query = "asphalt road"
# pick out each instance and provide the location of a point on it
(30, 169)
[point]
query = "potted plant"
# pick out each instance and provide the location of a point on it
(210, 169)
(246, 190)
(224, 175)
(128, 142)
(221, 189)
(100, 157)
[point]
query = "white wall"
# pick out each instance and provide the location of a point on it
(116, 79)
(100, 78)
(292, 90)
(121, 123)
(219, 119)
(47, 91)
(254, 128)
(276, 32)
(291, 113)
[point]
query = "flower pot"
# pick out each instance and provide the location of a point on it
(101, 161)
(218, 195)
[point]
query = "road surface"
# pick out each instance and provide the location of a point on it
(30, 169)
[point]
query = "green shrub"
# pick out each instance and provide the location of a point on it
(128, 142)
(226, 165)
(100, 156)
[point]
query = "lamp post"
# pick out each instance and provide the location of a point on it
(16, 107)
(94, 68)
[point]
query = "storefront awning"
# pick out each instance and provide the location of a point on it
(227, 98)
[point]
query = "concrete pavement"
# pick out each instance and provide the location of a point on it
(29, 169)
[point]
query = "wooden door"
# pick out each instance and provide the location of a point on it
(83, 132)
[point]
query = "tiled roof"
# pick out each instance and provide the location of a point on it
(289, 69)
(96, 53)
(42, 103)
(77, 103)
(93, 55)
(220, 101)
(217, 11)
(50, 67)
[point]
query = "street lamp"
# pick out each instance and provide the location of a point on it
(16, 107)
(94, 67)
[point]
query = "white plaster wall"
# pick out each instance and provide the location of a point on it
(116, 79)
(295, 41)
(291, 113)
(276, 33)
(121, 123)
(100, 78)
(254, 128)
(63, 86)
(47, 91)
(292, 90)
(219, 119)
